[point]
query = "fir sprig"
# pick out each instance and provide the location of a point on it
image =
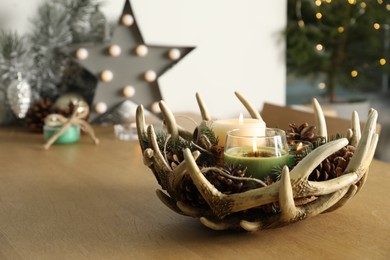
(209, 155)
(88, 24)
(51, 32)
(207, 131)
(12, 57)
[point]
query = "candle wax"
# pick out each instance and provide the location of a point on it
(259, 164)
(221, 127)
(71, 135)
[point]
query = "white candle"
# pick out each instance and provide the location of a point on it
(221, 127)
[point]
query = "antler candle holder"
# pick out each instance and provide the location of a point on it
(195, 186)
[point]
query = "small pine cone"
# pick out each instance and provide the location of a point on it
(333, 166)
(189, 194)
(37, 113)
(303, 132)
(225, 184)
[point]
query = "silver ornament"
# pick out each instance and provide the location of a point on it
(19, 96)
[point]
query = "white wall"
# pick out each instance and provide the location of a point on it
(239, 46)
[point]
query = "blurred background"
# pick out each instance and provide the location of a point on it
(281, 52)
(339, 51)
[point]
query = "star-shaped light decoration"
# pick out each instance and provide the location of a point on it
(127, 68)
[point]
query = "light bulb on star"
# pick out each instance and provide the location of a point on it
(127, 20)
(174, 54)
(114, 50)
(141, 50)
(106, 75)
(81, 54)
(155, 108)
(150, 76)
(101, 108)
(128, 91)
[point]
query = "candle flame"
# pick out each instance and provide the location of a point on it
(254, 145)
(300, 146)
(241, 119)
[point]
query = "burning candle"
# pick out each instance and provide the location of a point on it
(298, 149)
(262, 155)
(221, 127)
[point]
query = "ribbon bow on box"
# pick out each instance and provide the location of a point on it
(79, 113)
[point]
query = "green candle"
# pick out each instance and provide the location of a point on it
(71, 135)
(261, 163)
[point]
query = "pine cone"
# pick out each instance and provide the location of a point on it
(189, 194)
(303, 132)
(66, 112)
(334, 165)
(36, 114)
(225, 184)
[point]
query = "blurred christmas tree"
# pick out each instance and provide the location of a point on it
(345, 41)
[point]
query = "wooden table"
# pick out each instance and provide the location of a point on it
(82, 201)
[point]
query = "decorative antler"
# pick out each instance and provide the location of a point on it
(252, 111)
(243, 210)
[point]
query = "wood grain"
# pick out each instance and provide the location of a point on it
(81, 201)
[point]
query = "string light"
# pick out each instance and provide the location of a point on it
(329, 1)
(354, 73)
(382, 61)
(301, 23)
(352, 2)
(340, 29)
(319, 47)
(363, 5)
(318, 2)
(380, 2)
(318, 15)
(388, 7)
(377, 26)
(321, 85)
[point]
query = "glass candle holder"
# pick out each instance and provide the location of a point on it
(262, 154)
(298, 149)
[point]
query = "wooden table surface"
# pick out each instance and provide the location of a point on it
(82, 201)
